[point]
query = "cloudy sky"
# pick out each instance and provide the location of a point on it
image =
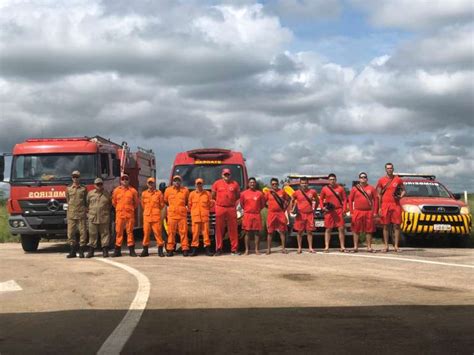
(308, 86)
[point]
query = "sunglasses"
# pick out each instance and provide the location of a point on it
(226, 174)
(75, 177)
(124, 179)
(362, 177)
(274, 184)
(99, 184)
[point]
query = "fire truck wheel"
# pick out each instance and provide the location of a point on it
(459, 241)
(30, 243)
(403, 242)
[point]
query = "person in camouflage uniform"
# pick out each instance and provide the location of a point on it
(99, 203)
(76, 195)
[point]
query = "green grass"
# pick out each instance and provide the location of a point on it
(5, 235)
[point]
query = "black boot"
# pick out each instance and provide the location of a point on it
(132, 251)
(209, 252)
(81, 252)
(169, 253)
(160, 252)
(90, 253)
(117, 252)
(72, 252)
(105, 252)
(193, 251)
(185, 253)
(144, 252)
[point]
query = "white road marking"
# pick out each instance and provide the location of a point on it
(119, 337)
(9, 286)
(400, 259)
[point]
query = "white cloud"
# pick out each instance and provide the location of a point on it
(420, 14)
(306, 10)
(175, 76)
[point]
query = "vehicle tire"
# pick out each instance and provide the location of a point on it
(113, 235)
(29, 243)
(348, 241)
(403, 242)
(460, 241)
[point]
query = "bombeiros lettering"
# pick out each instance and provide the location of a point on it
(47, 194)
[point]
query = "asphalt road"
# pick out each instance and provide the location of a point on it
(419, 301)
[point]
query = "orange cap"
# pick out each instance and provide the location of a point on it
(150, 179)
(177, 177)
(199, 181)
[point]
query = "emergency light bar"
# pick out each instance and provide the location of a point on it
(209, 154)
(309, 177)
(424, 176)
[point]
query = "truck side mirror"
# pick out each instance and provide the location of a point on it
(2, 167)
(116, 167)
(457, 196)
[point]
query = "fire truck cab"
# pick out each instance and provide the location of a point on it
(41, 170)
(207, 163)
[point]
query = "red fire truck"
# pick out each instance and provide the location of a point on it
(207, 164)
(41, 170)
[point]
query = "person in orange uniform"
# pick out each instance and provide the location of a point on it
(226, 193)
(252, 201)
(277, 201)
(152, 204)
(363, 204)
(176, 198)
(125, 200)
(333, 203)
(305, 200)
(200, 203)
(390, 190)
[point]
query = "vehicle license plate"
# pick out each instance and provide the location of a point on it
(442, 227)
(319, 224)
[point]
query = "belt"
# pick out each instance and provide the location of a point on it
(225, 206)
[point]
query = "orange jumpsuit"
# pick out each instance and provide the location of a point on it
(199, 205)
(152, 203)
(125, 201)
(177, 200)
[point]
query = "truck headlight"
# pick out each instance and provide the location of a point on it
(465, 210)
(412, 208)
(15, 224)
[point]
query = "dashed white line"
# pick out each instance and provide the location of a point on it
(401, 259)
(9, 286)
(119, 337)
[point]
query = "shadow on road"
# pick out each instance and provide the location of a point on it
(378, 329)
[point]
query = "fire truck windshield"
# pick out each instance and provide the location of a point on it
(209, 173)
(425, 189)
(46, 168)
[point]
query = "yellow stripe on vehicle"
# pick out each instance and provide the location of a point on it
(414, 227)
